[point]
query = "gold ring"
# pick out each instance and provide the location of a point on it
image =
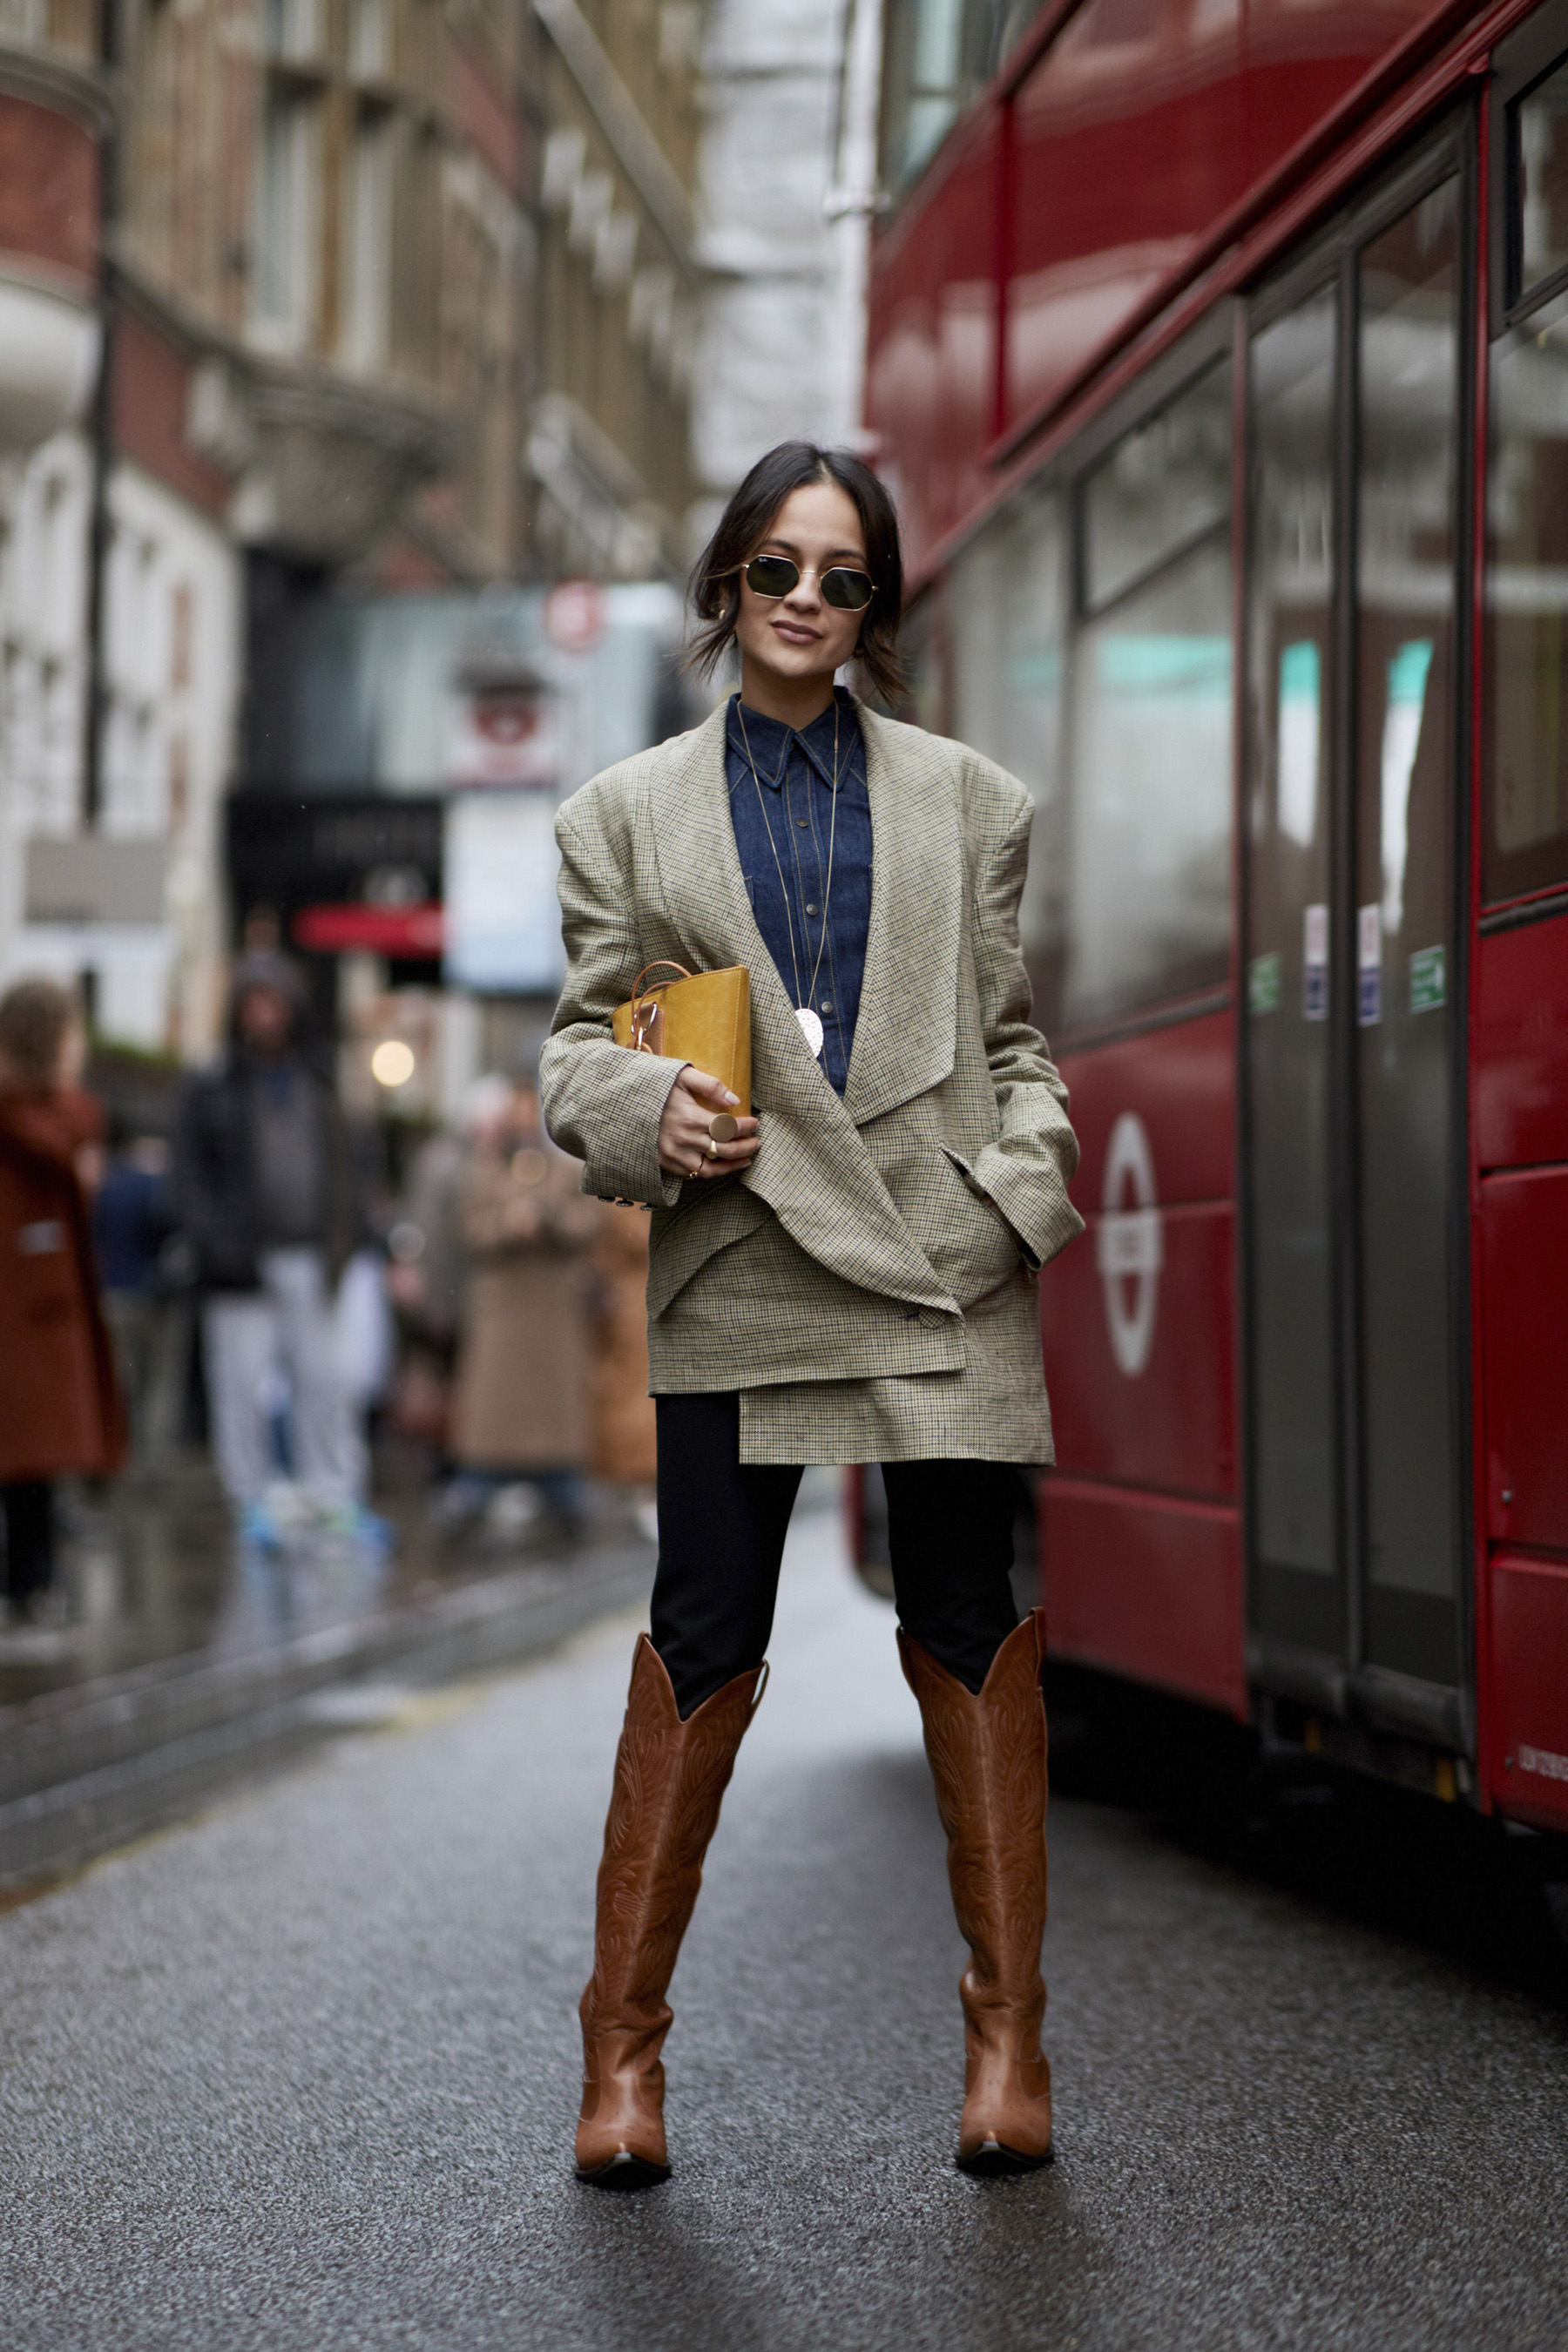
(723, 1127)
(698, 1170)
(712, 1151)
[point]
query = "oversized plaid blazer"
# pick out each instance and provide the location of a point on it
(856, 1283)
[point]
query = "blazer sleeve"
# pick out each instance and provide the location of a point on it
(602, 1102)
(1027, 1170)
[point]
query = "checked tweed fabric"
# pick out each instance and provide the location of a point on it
(856, 1283)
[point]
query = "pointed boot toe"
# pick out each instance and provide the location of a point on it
(624, 2171)
(992, 2160)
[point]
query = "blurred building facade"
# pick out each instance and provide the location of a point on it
(609, 451)
(788, 169)
(267, 320)
(302, 299)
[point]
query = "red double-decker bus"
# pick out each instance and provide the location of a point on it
(1218, 355)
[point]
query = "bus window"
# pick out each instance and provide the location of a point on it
(1162, 487)
(1294, 370)
(1147, 918)
(1541, 181)
(1407, 545)
(1006, 609)
(1526, 845)
(938, 55)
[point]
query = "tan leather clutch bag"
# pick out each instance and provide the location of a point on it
(704, 1018)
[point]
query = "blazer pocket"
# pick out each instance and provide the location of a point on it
(984, 1249)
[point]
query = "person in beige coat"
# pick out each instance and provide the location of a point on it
(521, 1403)
(848, 1275)
(625, 1439)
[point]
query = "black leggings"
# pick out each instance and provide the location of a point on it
(721, 1530)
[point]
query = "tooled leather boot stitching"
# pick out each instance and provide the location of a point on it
(987, 1758)
(671, 1778)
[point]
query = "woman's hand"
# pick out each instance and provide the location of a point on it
(685, 1145)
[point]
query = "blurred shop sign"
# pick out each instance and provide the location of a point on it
(411, 934)
(365, 851)
(90, 879)
(506, 730)
(503, 924)
(574, 616)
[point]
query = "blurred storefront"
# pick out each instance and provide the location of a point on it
(398, 828)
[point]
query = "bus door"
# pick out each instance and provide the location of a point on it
(1352, 1104)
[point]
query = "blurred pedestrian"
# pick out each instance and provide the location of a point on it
(430, 1267)
(520, 1409)
(851, 1278)
(59, 1404)
(147, 1309)
(268, 1197)
(626, 1431)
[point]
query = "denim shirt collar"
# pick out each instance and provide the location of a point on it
(769, 741)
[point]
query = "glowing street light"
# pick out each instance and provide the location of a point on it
(391, 1063)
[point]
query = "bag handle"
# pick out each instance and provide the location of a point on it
(643, 1021)
(659, 964)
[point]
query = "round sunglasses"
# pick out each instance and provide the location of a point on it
(775, 577)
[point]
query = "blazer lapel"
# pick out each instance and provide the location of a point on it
(906, 1035)
(813, 1170)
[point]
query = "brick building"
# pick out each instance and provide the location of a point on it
(303, 231)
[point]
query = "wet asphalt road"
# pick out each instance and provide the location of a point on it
(302, 2075)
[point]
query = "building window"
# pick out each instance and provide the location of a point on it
(287, 179)
(290, 29)
(367, 243)
(370, 50)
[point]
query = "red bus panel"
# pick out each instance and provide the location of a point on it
(1521, 1045)
(931, 385)
(1172, 1424)
(1146, 1586)
(1524, 1262)
(1527, 1723)
(1181, 1081)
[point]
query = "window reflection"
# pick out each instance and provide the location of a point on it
(1527, 610)
(940, 55)
(1406, 506)
(1541, 132)
(1149, 858)
(1294, 368)
(1007, 611)
(1161, 487)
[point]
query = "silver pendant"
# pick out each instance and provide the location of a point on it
(810, 1027)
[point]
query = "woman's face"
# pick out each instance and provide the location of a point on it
(801, 636)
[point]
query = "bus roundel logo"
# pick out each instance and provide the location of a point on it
(1129, 1246)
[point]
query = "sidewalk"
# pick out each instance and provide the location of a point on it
(190, 1662)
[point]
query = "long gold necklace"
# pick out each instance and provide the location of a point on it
(805, 1013)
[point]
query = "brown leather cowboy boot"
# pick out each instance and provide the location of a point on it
(671, 1778)
(988, 1760)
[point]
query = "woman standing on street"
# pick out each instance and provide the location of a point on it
(851, 1275)
(59, 1402)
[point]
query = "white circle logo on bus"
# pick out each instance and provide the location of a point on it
(1130, 1247)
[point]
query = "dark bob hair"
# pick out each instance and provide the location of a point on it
(715, 584)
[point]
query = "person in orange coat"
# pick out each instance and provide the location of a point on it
(59, 1404)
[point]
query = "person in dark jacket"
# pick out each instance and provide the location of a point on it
(60, 1406)
(144, 1304)
(266, 1193)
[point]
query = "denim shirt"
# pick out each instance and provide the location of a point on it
(781, 830)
